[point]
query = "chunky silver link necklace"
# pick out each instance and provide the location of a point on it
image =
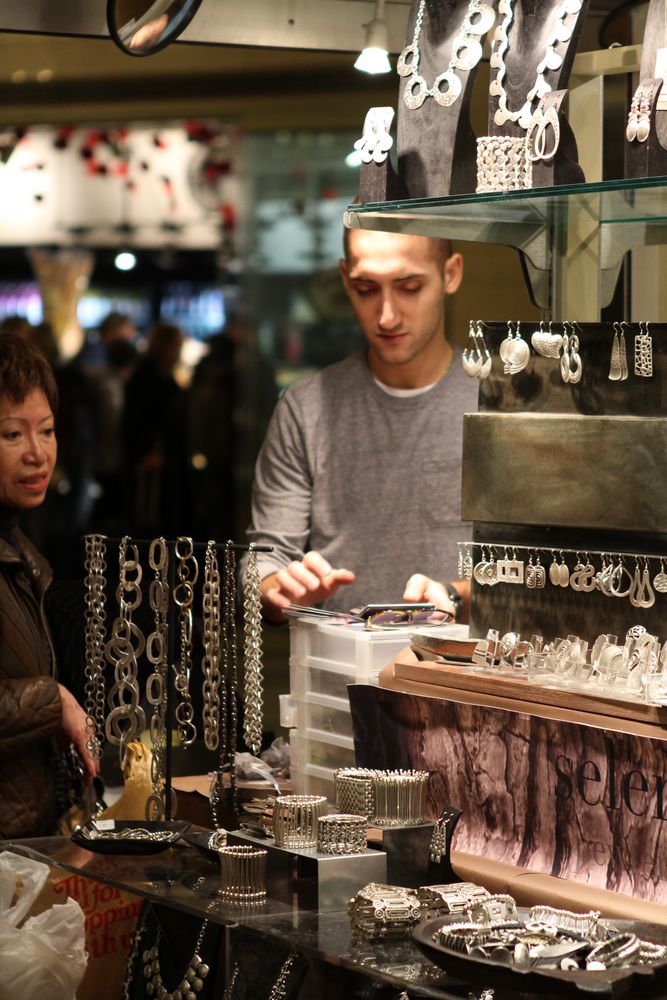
(95, 635)
(156, 683)
(211, 661)
(466, 53)
(551, 61)
(252, 654)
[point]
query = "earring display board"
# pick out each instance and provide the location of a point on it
(578, 466)
(646, 134)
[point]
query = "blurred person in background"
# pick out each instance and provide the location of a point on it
(155, 438)
(114, 327)
(211, 428)
(36, 712)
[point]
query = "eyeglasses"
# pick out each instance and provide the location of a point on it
(399, 618)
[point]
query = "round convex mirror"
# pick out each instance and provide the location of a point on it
(141, 27)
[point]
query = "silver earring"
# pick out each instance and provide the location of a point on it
(471, 365)
(547, 343)
(485, 357)
(615, 362)
(643, 352)
(514, 351)
(376, 141)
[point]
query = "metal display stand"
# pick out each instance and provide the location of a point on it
(171, 646)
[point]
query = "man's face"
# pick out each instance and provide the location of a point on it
(397, 286)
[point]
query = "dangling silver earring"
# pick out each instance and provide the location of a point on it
(471, 365)
(485, 356)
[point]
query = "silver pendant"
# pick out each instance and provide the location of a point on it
(445, 98)
(415, 92)
(408, 61)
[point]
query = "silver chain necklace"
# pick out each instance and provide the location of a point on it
(551, 61)
(466, 53)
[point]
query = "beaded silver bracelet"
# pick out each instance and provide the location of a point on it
(354, 790)
(295, 820)
(503, 164)
(243, 874)
(341, 833)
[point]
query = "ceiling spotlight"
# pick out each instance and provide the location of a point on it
(375, 55)
(125, 261)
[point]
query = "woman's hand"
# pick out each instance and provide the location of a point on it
(73, 730)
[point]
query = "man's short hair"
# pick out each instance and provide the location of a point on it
(443, 246)
(22, 369)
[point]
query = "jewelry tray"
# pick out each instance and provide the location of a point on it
(109, 845)
(639, 981)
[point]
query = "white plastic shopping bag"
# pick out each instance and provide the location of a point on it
(42, 957)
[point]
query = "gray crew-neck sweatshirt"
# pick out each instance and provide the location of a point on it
(370, 480)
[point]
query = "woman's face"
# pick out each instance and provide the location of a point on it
(27, 450)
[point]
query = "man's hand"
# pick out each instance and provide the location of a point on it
(422, 588)
(73, 730)
(308, 581)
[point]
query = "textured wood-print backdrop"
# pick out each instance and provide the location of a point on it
(556, 797)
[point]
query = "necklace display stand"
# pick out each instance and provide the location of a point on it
(649, 158)
(435, 144)
(528, 40)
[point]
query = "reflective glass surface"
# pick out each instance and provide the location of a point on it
(183, 878)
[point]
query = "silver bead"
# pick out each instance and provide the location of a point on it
(203, 970)
(197, 984)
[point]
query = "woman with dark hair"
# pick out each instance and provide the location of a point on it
(35, 710)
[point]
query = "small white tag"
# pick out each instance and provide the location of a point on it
(661, 71)
(105, 824)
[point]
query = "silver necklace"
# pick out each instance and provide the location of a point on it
(193, 980)
(466, 53)
(551, 61)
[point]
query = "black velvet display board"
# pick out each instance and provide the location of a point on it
(436, 146)
(649, 159)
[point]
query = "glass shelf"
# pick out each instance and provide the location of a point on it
(591, 225)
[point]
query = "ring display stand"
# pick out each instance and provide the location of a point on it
(649, 158)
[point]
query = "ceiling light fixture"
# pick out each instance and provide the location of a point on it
(374, 57)
(125, 261)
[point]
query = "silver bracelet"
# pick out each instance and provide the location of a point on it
(243, 874)
(398, 797)
(439, 900)
(340, 833)
(384, 911)
(295, 819)
(354, 790)
(503, 164)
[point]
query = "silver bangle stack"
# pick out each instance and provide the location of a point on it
(187, 572)
(383, 911)
(95, 636)
(398, 797)
(493, 909)
(252, 654)
(211, 661)
(156, 682)
(340, 833)
(126, 720)
(503, 164)
(295, 820)
(243, 874)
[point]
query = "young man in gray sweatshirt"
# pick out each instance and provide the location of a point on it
(358, 481)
